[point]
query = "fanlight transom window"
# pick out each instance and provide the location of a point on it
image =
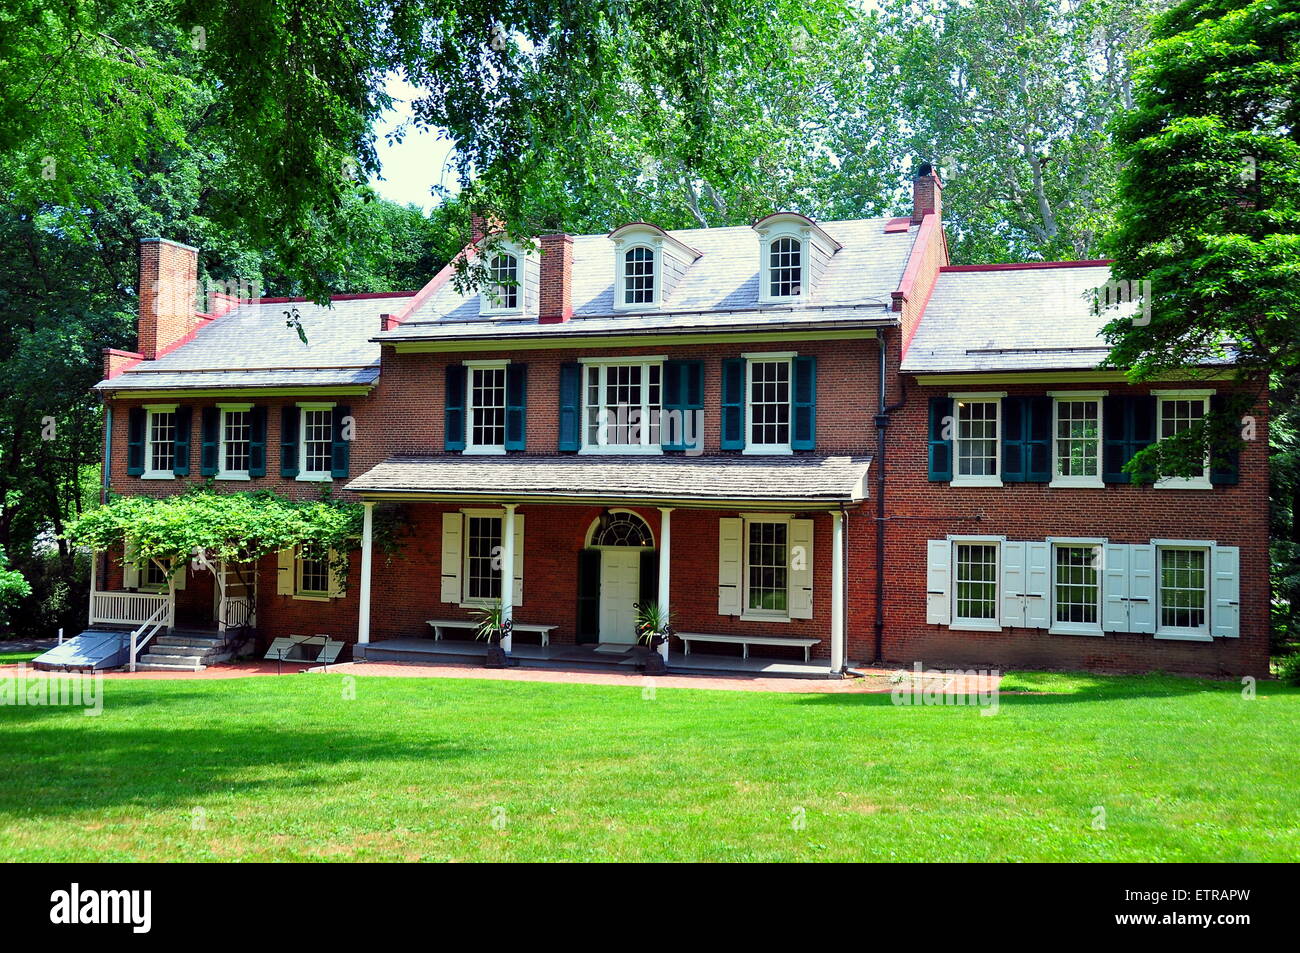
(621, 529)
(785, 268)
(639, 276)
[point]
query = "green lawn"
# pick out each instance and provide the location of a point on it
(12, 658)
(288, 768)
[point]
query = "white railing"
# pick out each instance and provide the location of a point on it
(235, 611)
(126, 608)
(148, 629)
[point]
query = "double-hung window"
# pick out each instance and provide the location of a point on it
(160, 449)
(312, 572)
(486, 401)
(503, 291)
(482, 569)
(767, 568)
(639, 276)
(976, 584)
(768, 410)
(1179, 411)
(1076, 588)
(236, 438)
(785, 266)
(976, 439)
(1184, 591)
(1076, 443)
(317, 444)
(621, 407)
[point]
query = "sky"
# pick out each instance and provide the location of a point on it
(419, 162)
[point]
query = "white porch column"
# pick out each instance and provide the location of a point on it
(508, 571)
(837, 592)
(367, 548)
(665, 551)
(94, 572)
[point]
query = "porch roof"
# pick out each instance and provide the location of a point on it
(797, 481)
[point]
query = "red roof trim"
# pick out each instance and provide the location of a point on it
(347, 297)
(1023, 265)
(895, 225)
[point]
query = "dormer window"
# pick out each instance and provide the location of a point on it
(639, 275)
(503, 291)
(509, 287)
(648, 262)
(793, 251)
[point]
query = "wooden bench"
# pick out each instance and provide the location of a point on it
(745, 641)
(532, 628)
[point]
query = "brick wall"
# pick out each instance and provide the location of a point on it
(167, 289)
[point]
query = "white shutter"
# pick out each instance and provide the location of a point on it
(801, 569)
(1114, 608)
(730, 530)
(938, 576)
(338, 576)
(130, 568)
(1038, 582)
(1226, 592)
(452, 529)
(1142, 588)
(519, 561)
(284, 573)
(1013, 584)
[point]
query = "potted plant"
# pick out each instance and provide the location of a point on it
(492, 627)
(654, 628)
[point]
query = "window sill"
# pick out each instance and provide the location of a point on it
(974, 625)
(158, 475)
(1091, 631)
(232, 476)
(1174, 635)
(314, 478)
(311, 596)
(652, 450)
(981, 481)
(1089, 483)
(484, 451)
(751, 617)
(773, 451)
(1184, 483)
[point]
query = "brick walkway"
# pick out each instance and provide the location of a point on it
(874, 680)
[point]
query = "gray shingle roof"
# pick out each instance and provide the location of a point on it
(252, 347)
(1011, 320)
(777, 480)
(723, 280)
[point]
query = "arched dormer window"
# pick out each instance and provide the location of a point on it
(793, 251)
(639, 278)
(504, 289)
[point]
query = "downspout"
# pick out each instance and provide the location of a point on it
(882, 423)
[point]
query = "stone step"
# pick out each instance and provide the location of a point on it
(201, 649)
(143, 666)
(181, 638)
(182, 662)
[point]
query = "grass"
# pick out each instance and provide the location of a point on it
(291, 768)
(12, 658)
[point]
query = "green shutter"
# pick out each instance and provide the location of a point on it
(803, 433)
(1014, 411)
(570, 404)
(289, 419)
(453, 437)
(136, 421)
(210, 441)
(649, 577)
(516, 406)
(733, 404)
(257, 443)
(1038, 440)
(1224, 468)
(181, 442)
(341, 449)
(940, 451)
(1116, 425)
(588, 595)
(683, 404)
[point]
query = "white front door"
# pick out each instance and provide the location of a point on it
(620, 587)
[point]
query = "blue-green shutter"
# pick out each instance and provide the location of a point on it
(1014, 411)
(588, 596)
(341, 448)
(453, 438)
(136, 421)
(210, 441)
(181, 442)
(940, 451)
(803, 433)
(681, 427)
(733, 404)
(257, 443)
(1224, 468)
(1026, 439)
(516, 406)
(570, 405)
(1128, 427)
(289, 441)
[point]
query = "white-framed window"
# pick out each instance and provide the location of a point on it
(1177, 411)
(485, 400)
(235, 447)
(153, 576)
(504, 292)
(977, 439)
(768, 402)
(316, 442)
(1076, 587)
(1183, 590)
(1076, 440)
(767, 567)
(482, 557)
(785, 268)
(160, 444)
(311, 572)
(976, 591)
(639, 278)
(621, 406)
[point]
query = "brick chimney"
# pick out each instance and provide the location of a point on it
(556, 281)
(167, 289)
(927, 194)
